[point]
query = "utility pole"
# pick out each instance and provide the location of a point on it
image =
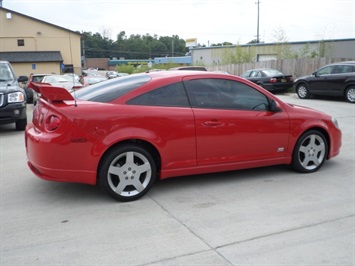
(257, 33)
(172, 48)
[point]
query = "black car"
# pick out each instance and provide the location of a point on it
(272, 80)
(12, 97)
(336, 79)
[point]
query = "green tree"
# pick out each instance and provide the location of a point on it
(238, 55)
(282, 48)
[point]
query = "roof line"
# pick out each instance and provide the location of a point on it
(42, 21)
(273, 43)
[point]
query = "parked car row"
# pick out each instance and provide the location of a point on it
(337, 79)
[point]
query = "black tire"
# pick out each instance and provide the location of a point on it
(350, 94)
(302, 91)
(310, 152)
(21, 124)
(127, 172)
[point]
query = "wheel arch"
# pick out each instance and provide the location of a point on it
(139, 142)
(300, 82)
(321, 130)
(347, 86)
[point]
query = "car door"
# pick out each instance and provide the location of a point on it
(336, 81)
(233, 123)
(319, 82)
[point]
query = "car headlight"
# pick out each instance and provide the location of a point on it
(16, 97)
(335, 122)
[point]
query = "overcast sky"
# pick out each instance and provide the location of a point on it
(210, 21)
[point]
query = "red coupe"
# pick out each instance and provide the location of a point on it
(125, 133)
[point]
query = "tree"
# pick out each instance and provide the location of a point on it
(237, 55)
(135, 46)
(282, 47)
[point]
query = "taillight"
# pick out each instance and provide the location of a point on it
(52, 123)
(273, 80)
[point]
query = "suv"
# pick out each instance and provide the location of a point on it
(336, 79)
(12, 97)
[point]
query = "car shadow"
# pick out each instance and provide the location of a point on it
(263, 174)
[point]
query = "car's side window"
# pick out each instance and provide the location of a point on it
(255, 74)
(325, 71)
(345, 69)
(225, 94)
(170, 95)
(246, 74)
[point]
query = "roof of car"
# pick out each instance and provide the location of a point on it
(344, 63)
(178, 73)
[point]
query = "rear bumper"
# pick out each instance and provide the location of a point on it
(278, 86)
(51, 160)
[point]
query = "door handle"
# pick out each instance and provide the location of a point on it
(212, 123)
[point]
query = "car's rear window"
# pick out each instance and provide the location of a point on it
(110, 90)
(272, 72)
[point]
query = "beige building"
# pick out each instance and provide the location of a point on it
(35, 46)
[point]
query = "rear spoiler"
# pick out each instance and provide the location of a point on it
(51, 93)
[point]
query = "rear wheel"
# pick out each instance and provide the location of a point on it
(350, 94)
(21, 124)
(302, 91)
(310, 152)
(127, 172)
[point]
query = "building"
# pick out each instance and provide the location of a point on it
(222, 55)
(35, 46)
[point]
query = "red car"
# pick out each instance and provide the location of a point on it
(125, 133)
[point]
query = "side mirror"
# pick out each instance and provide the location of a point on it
(273, 106)
(315, 74)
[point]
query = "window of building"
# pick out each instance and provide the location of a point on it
(20, 42)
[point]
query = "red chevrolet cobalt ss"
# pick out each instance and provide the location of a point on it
(125, 133)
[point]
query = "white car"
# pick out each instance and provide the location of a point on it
(58, 81)
(61, 81)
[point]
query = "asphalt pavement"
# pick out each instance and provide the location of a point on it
(265, 216)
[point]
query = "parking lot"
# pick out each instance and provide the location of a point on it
(265, 216)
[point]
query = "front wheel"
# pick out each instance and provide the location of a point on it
(127, 172)
(310, 152)
(350, 94)
(302, 91)
(21, 124)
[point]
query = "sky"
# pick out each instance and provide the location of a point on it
(209, 21)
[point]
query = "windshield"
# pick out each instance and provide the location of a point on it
(6, 73)
(107, 91)
(272, 72)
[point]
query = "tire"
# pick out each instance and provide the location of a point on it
(302, 91)
(127, 172)
(21, 124)
(310, 152)
(350, 94)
